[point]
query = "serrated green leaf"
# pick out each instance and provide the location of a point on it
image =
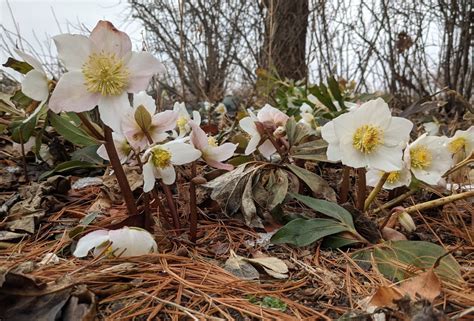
(67, 166)
(69, 131)
(302, 232)
(327, 208)
(317, 184)
(17, 65)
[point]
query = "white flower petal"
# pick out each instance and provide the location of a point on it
(350, 156)
(196, 117)
(248, 125)
(398, 132)
(71, 94)
(112, 109)
(148, 177)
(373, 176)
(142, 98)
(182, 153)
(35, 85)
(142, 67)
(73, 50)
(32, 61)
(132, 242)
(90, 241)
(108, 39)
(167, 174)
(252, 144)
(102, 152)
(222, 152)
(387, 159)
(375, 112)
(267, 149)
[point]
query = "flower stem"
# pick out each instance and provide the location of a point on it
(375, 191)
(169, 200)
(85, 120)
(361, 188)
(119, 172)
(23, 157)
(193, 216)
(396, 200)
(439, 202)
(344, 191)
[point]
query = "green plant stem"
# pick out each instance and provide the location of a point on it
(344, 191)
(193, 215)
(361, 188)
(375, 191)
(119, 172)
(396, 200)
(438, 202)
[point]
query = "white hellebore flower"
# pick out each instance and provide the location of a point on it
(272, 119)
(162, 158)
(428, 158)
(221, 109)
(141, 124)
(462, 141)
(395, 179)
(35, 83)
(368, 136)
(212, 154)
(124, 242)
(102, 69)
(183, 119)
(121, 146)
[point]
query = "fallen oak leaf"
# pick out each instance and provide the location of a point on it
(273, 266)
(426, 285)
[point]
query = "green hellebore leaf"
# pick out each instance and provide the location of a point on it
(143, 118)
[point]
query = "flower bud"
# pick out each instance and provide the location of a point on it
(406, 221)
(279, 132)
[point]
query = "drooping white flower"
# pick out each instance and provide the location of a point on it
(183, 118)
(161, 161)
(212, 154)
(368, 136)
(155, 129)
(431, 128)
(124, 242)
(462, 141)
(35, 83)
(102, 69)
(428, 158)
(271, 118)
(395, 179)
(121, 146)
(305, 108)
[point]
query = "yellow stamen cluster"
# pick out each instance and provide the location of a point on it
(457, 145)
(106, 74)
(367, 138)
(393, 177)
(161, 158)
(212, 141)
(421, 157)
(181, 122)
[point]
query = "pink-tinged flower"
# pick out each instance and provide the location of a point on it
(155, 129)
(184, 118)
(121, 146)
(35, 83)
(124, 242)
(212, 154)
(102, 69)
(161, 161)
(272, 119)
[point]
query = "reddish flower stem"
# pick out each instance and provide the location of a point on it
(344, 190)
(193, 216)
(361, 188)
(170, 201)
(119, 172)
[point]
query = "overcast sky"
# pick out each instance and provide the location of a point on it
(36, 22)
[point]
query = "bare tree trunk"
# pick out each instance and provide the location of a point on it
(284, 47)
